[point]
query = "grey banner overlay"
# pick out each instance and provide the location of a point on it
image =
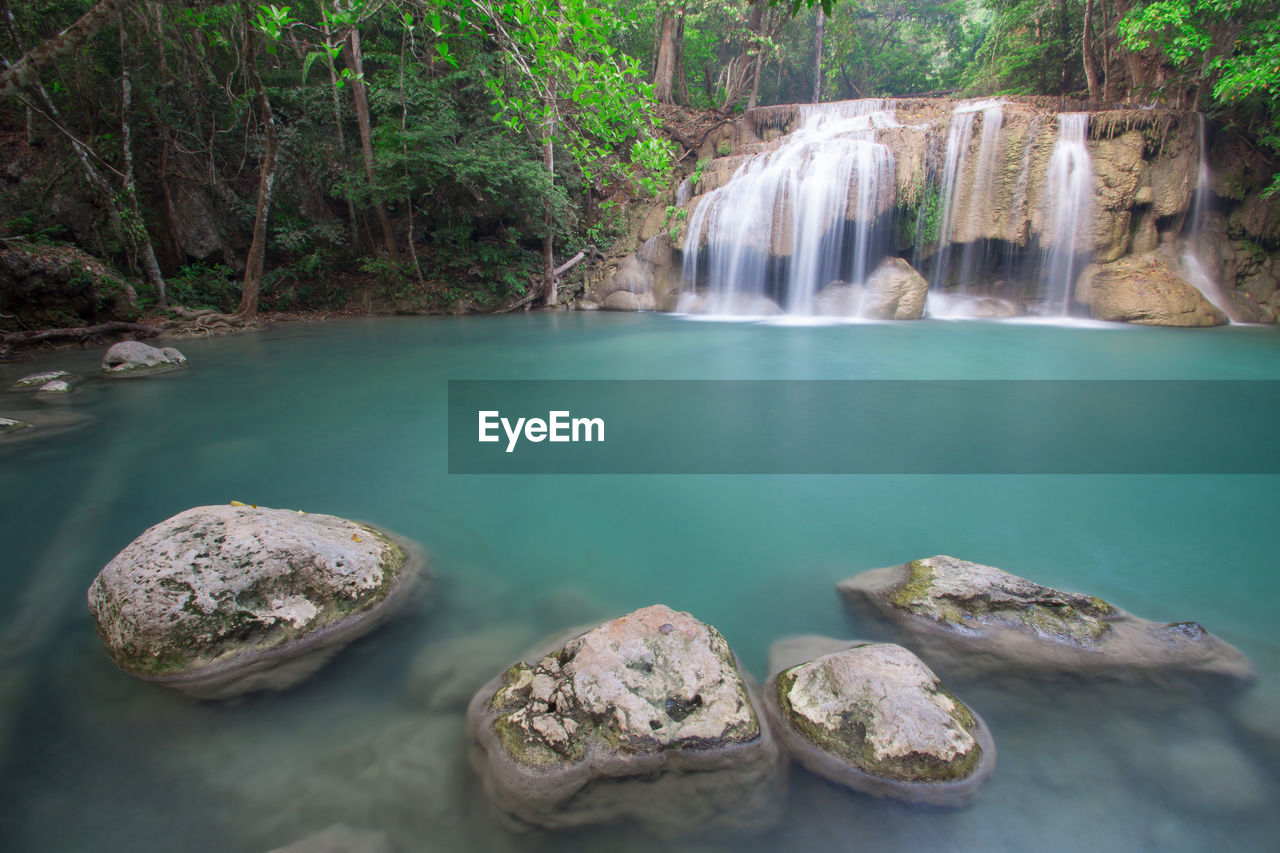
(870, 427)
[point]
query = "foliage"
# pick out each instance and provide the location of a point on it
(203, 285)
(1243, 68)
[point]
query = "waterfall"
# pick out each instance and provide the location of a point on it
(793, 219)
(964, 203)
(1192, 268)
(1068, 210)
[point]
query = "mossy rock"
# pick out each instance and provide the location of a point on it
(219, 600)
(977, 618)
(647, 717)
(875, 718)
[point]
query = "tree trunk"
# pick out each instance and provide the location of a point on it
(755, 27)
(404, 153)
(548, 210)
(137, 225)
(342, 136)
(361, 94)
(817, 56)
(1086, 49)
(266, 179)
(665, 60)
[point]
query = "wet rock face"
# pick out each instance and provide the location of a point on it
(218, 600)
(615, 722)
(976, 618)
(873, 717)
(134, 358)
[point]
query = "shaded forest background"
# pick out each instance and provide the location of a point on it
(452, 155)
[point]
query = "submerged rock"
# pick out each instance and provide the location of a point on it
(895, 291)
(1144, 289)
(134, 358)
(340, 838)
(645, 717)
(873, 717)
(220, 600)
(36, 380)
(838, 299)
(979, 617)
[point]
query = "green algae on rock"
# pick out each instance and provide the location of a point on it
(647, 716)
(8, 426)
(35, 380)
(873, 717)
(220, 600)
(980, 618)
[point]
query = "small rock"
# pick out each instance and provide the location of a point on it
(56, 388)
(35, 380)
(134, 358)
(8, 426)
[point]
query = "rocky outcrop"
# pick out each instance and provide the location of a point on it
(1144, 289)
(645, 281)
(51, 286)
(35, 380)
(873, 717)
(980, 618)
(220, 600)
(134, 358)
(646, 717)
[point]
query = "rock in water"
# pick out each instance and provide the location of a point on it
(980, 618)
(36, 380)
(221, 600)
(645, 717)
(8, 426)
(134, 358)
(56, 388)
(874, 718)
(1144, 289)
(895, 291)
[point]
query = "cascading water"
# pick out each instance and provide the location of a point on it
(794, 203)
(1068, 211)
(966, 195)
(1192, 268)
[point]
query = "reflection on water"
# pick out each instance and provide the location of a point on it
(349, 418)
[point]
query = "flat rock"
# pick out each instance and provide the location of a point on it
(980, 618)
(35, 380)
(646, 717)
(134, 358)
(220, 600)
(873, 717)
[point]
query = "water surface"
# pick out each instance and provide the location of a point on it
(349, 418)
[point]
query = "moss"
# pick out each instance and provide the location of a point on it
(724, 148)
(915, 588)
(849, 742)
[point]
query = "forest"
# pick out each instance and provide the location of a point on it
(454, 155)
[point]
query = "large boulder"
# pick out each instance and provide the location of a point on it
(980, 618)
(220, 600)
(873, 717)
(894, 291)
(134, 358)
(646, 717)
(1144, 289)
(58, 286)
